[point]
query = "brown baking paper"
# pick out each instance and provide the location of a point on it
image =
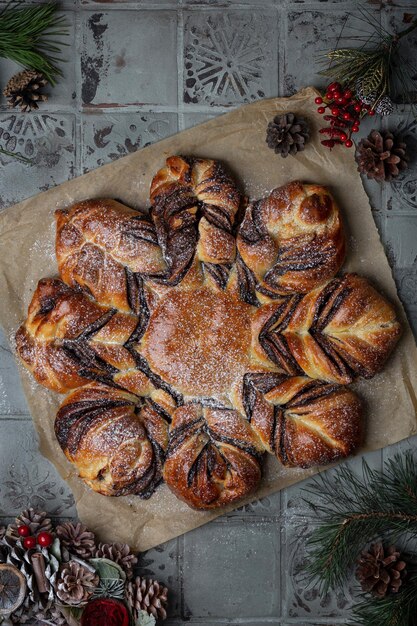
(238, 139)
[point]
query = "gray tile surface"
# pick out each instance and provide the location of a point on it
(136, 73)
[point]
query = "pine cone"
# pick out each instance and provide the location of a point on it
(381, 156)
(38, 521)
(77, 539)
(385, 106)
(22, 560)
(380, 570)
(119, 553)
(146, 595)
(23, 90)
(287, 134)
(76, 583)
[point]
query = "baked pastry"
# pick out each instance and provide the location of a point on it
(185, 359)
(303, 422)
(336, 332)
(115, 439)
(292, 241)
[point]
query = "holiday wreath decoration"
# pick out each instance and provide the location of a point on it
(61, 574)
(190, 344)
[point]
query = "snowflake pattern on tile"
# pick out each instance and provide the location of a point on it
(228, 58)
(301, 599)
(109, 137)
(40, 138)
(405, 186)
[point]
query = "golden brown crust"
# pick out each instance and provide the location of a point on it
(159, 321)
(335, 333)
(194, 204)
(68, 339)
(292, 240)
(303, 422)
(116, 441)
(104, 247)
(213, 457)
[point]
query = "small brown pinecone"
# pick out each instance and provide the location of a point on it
(381, 156)
(119, 553)
(146, 595)
(77, 539)
(23, 90)
(287, 134)
(38, 521)
(76, 583)
(381, 570)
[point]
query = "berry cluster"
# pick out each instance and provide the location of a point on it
(43, 539)
(346, 112)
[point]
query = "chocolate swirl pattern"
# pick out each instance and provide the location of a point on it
(190, 346)
(291, 241)
(337, 332)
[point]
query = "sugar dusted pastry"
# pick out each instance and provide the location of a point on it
(193, 343)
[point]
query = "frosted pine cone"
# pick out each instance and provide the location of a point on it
(77, 539)
(119, 553)
(38, 521)
(146, 595)
(76, 584)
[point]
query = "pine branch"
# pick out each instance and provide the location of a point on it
(30, 36)
(374, 65)
(355, 511)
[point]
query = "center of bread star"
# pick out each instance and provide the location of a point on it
(198, 341)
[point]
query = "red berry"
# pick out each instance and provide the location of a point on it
(340, 100)
(318, 100)
(329, 143)
(371, 112)
(337, 94)
(348, 143)
(29, 542)
(45, 539)
(347, 116)
(355, 129)
(24, 531)
(343, 136)
(357, 108)
(334, 86)
(321, 110)
(329, 96)
(348, 94)
(335, 111)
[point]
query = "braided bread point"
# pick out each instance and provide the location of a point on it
(303, 422)
(194, 204)
(105, 248)
(68, 339)
(213, 457)
(291, 241)
(116, 440)
(339, 331)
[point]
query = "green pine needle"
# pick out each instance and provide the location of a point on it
(15, 155)
(30, 36)
(355, 511)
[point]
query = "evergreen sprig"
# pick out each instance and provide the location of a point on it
(29, 36)
(376, 65)
(354, 511)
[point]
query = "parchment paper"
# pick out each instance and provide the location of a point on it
(238, 139)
